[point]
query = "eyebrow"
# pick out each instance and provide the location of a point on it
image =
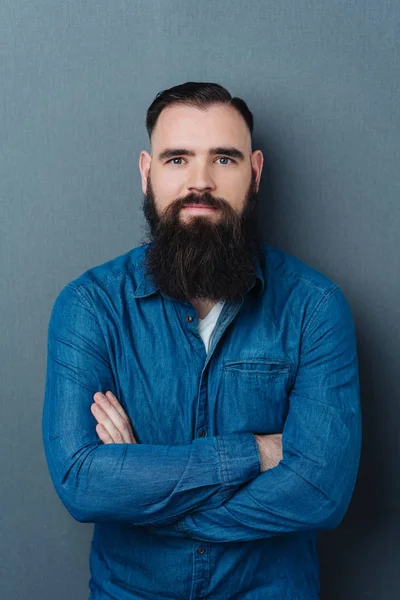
(227, 150)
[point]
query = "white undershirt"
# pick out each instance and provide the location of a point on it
(206, 325)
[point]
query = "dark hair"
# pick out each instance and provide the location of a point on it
(199, 95)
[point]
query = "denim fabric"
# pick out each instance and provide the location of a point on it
(186, 512)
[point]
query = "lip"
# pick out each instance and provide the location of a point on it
(199, 207)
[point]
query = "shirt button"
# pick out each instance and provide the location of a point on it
(189, 319)
(202, 433)
(201, 550)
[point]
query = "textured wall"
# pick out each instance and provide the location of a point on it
(322, 79)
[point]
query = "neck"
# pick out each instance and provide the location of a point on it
(202, 307)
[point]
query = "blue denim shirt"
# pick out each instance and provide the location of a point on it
(186, 512)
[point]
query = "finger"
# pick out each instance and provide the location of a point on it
(103, 434)
(118, 429)
(118, 407)
(120, 423)
(123, 425)
(114, 400)
(107, 426)
(103, 419)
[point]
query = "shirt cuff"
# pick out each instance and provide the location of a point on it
(240, 458)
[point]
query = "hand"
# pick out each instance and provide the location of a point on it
(270, 449)
(114, 426)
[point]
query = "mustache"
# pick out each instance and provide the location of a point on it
(205, 199)
(171, 213)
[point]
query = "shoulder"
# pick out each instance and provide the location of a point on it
(286, 270)
(108, 277)
(296, 288)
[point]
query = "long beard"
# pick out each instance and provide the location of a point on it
(202, 258)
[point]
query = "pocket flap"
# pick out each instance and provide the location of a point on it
(257, 365)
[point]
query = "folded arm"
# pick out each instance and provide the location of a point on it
(309, 489)
(141, 484)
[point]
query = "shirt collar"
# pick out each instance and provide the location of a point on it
(147, 286)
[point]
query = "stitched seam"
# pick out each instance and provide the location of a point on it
(222, 463)
(280, 268)
(130, 268)
(82, 297)
(182, 513)
(322, 301)
(95, 314)
(300, 278)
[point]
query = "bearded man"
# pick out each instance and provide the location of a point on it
(202, 394)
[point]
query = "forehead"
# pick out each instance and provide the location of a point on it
(186, 126)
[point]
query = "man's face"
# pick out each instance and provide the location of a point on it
(181, 127)
(201, 158)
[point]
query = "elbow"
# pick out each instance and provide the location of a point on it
(334, 498)
(70, 481)
(78, 507)
(331, 514)
(80, 512)
(336, 505)
(83, 516)
(332, 518)
(76, 497)
(322, 510)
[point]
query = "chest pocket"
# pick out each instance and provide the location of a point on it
(255, 394)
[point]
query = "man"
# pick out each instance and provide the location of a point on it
(202, 393)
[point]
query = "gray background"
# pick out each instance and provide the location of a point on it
(322, 79)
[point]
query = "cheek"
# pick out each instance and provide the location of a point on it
(233, 185)
(234, 194)
(168, 188)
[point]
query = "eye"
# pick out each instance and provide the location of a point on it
(225, 158)
(180, 158)
(175, 158)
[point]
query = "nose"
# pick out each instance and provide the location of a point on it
(200, 179)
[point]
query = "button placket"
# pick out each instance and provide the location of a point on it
(201, 573)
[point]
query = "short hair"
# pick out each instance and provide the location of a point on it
(199, 95)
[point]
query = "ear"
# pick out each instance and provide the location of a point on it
(144, 166)
(257, 161)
